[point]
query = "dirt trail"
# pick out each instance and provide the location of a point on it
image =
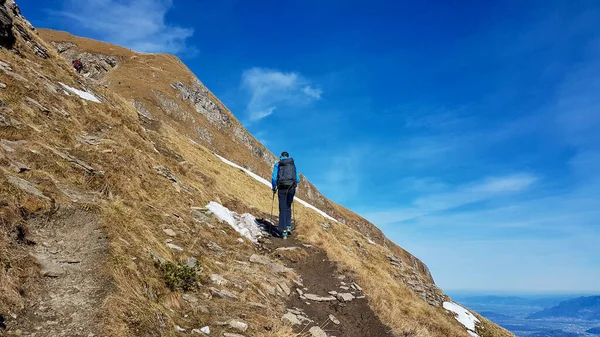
(71, 249)
(321, 276)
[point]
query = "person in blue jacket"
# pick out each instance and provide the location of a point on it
(285, 179)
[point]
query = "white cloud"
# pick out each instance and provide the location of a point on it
(270, 89)
(458, 196)
(137, 24)
(312, 92)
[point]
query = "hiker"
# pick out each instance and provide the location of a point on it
(78, 65)
(285, 179)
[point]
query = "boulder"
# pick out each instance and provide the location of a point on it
(218, 279)
(238, 325)
(345, 297)
(290, 319)
(334, 319)
(318, 298)
(315, 331)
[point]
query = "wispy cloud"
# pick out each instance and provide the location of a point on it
(455, 197)
(137, 24)
(271, 88)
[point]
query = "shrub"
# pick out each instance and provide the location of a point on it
(178, 275)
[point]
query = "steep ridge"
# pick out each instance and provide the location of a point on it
(102, 206)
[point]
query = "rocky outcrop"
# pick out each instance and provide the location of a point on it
(199, 96)
(7, 38)
(95, 65)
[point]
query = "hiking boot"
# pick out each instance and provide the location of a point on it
(289, 231)
(285, 234)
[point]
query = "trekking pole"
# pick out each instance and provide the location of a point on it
(293, 216)
(271, 218)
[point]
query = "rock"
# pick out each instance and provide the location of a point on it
(294, 311)
(304, 320)
(315, 331)
(165, 172)
(25, 186)
(215, 247)
(238, 325)
(261, 259)
(298, 283)
(33, 103)
(175, 247)
(169, 232)
(19, 167)
(345, 297)
(77, 162)
(204, 331)
(290, 319)
(178, 328)
(287, 249)
(157, 258)
(222, 293)
(258, 305)
(218, 279)
(356, 286)
(317, 298)
(285, 288)
(300, 292)
(334, 320)
(394, 261)
(333, 292)
(344, 288)
(191, 262)
(229, 334)
(2, 85)
(190, 298)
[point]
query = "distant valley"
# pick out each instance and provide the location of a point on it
(539, 315)
(584, 308)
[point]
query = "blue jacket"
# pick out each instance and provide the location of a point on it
(276, 170)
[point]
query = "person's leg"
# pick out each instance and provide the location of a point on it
(282, 196)
(289, 201)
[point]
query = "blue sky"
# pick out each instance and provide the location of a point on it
(468, 132)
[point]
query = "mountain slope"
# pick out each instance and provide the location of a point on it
(586, 308)
(103, 182)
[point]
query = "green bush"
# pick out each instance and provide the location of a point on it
(178, 275)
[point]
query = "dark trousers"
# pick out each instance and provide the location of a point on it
(286, 197)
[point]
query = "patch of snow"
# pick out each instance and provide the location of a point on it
(245, 224)
(250, 173)
(268, 183)
(83, 94)
(463, 316)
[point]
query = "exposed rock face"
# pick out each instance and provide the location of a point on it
(7, 38)
(199, 96)
(94, 65)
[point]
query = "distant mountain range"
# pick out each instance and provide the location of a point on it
(555, 333)
(584, 308)
(492, 315)
(543, 302)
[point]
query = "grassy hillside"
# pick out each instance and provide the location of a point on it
(94, 196)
